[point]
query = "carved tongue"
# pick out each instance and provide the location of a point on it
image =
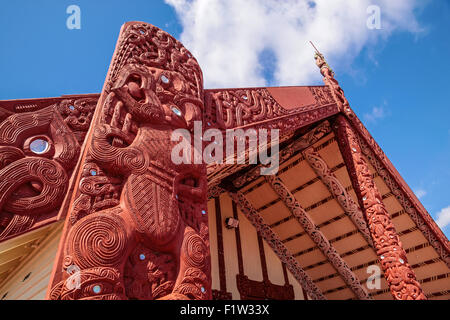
(135, 90)
(190, 114)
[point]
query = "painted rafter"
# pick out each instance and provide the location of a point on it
(318, 237)
(277, 246)
(336, 188)
(398, 273)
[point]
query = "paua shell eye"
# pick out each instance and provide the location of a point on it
(164, 79)
(39, 146)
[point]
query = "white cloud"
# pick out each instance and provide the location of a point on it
(443, 218)
(228, 36)
(420, 193)
(377, 113)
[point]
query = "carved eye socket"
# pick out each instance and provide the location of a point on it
(39, 146)
(164, 79)
(97, 289)
(177, 111)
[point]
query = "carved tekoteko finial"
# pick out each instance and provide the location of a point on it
(324, 67)
(331, 82)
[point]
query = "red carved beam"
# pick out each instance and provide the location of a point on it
(338, 191)
(263, 290)
(137, 227)
(277, 246)
(398, 273)
(317, 236)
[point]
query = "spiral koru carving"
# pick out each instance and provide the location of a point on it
(195, 250)
(129, 159)
(90, 284)
(98, 240)
(194, 286)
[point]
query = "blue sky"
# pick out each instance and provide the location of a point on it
(396, 80)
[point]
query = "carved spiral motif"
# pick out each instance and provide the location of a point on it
(49, 173)
(195, 249)
(98, 240)
(9, 154)
(195, 285)
(123, 159)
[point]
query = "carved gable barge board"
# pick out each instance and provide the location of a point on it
(285, 108)
(397, 271)
(248, 107)
(393, 179)
(40, 141)
(137, 225)
(400, 189)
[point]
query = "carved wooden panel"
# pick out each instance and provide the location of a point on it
(221, 295)
(228, 109)
(137, 227)
(39, 146)
(263, 290)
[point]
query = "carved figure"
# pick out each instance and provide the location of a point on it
(138, 226)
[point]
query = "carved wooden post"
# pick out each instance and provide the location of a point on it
(137, 225)
(398, 273)
(319, 239)
(277, 246)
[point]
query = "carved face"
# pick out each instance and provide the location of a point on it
(159, 96)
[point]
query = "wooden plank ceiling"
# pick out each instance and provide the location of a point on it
(14, 251)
